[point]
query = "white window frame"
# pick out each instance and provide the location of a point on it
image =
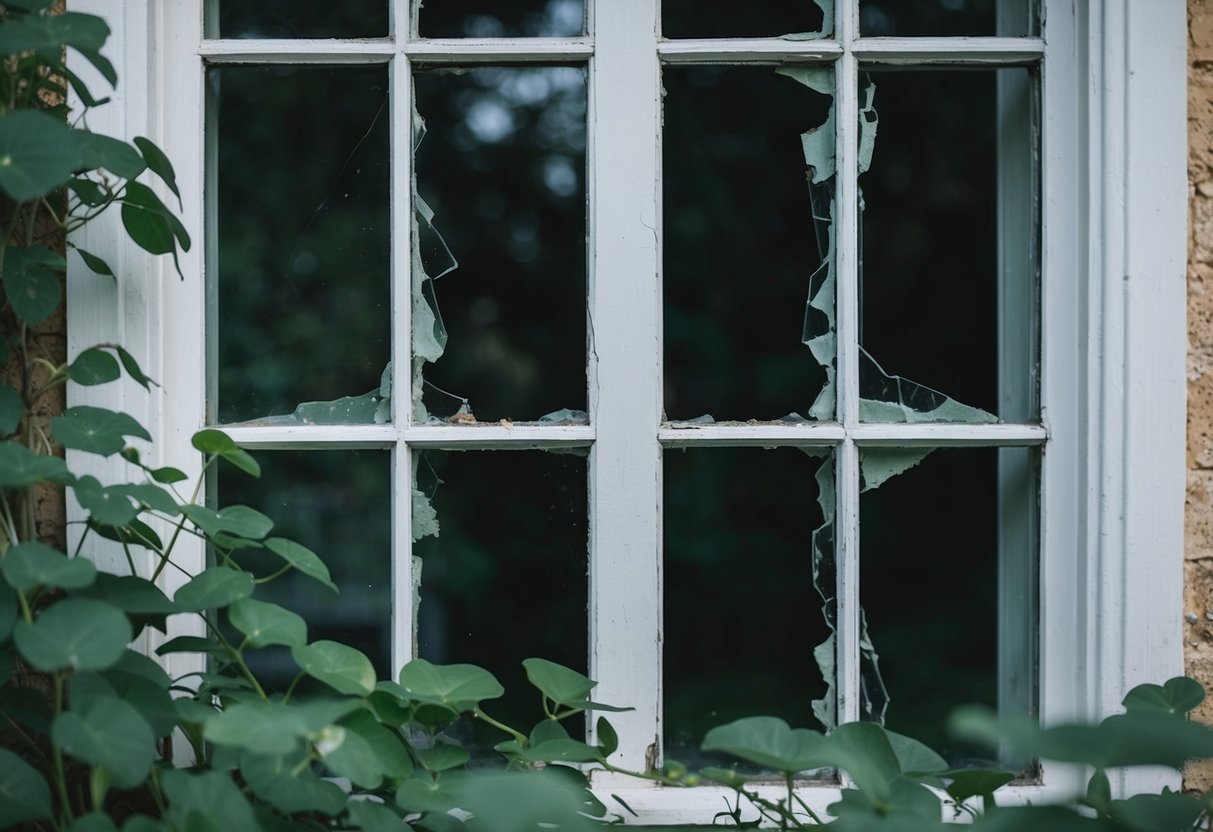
(1113, 330)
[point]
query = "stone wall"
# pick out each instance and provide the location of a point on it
(1198, 567)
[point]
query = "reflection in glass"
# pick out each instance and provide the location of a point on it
(506, 577)
(292, 19)
(338, 504)
(502, 168)
(935, 309)
(302, 178)
(741, 616)
(1008, 18)
(730, 19)
(740, 242)
(946, 551)
(495, 19)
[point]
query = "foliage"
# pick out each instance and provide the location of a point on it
(97, 736)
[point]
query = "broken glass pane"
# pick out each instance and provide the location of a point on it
(803, 19)
(937, 542)
(292, 19)
(338, 504)
(302, 289)
(499, 274)
(948, 281)
(505, 577)
(495, 19)
(741, 618)
(747, 247)
(1008, 18)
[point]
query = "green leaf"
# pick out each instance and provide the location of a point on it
(93, 822)
(273, 780)
(392, 757)
(33, 564)
(109, 733)
(33, 288)
(302, 559)
(913, 757)
(265, 624)
(214, 587)
(93, 366)
(209, 795)
(342, 668)
(1176, 696)
(557, 682)
(168, 475)
(563, 750)
(151, 225)
(346, 754)
(152, 702)
(769, 742)
(608, 740)
(240, 521)
(460, 687)
(442, 757)
(12, 409)
(21, 467)
(91, 194)
(108, 505)
(78, 633)
(261, 727)
(211, 441)
(8, 611)
(134, 533)
(522, 801)
(118, 157)
(37, 151)
(423, 793)
(374, 817)
(190, 644)
(133, 369)
(159, 164)
(1099, 790)
(975, 782)
(1153, 812)
(24, 795)
(151, 496)
(79, 31)
(95, 430)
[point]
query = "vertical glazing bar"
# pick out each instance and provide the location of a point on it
(625, 399)
(404, 596)
(847, 97)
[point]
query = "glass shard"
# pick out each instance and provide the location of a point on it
(302, 239)
(494, 19)
(737, 257)
(740, 557)
(337, 503)
(793, 19)
(513, 549)
(292, 19)
(503, 172)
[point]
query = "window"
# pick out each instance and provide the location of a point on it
(1081, 465)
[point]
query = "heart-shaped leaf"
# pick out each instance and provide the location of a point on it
(93, 366)
(275, 780)
(37, 151)
(240, 521)
(768, 742)
(302, 558)
(458, 686)
(392, 757)
(24, 795)
(207, 796)
(342, 668)
(442, 757)
(108, 732)
(264, 623)
(211, 441)
(77, 633)
(214, 587)
(1175, 696)
(30, 565)
(21, 467)
(108, 505)
(118, 157)
(95, 429)
(346, 754)
(33, 288)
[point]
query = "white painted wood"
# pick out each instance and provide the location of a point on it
(625, 308)
(496, 50)
(683, 435)
(948, 51)
(746, 50)
(947, 435)
(249, 51)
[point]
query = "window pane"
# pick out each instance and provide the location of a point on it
(947, 582)
(729, 19)
(292, 19)
(505, 578)
(1008, 18)
(494, 19)
(501, 302)
(302, 177)
(743, 252)
(742, 617)
(337, 503)
(948, 289)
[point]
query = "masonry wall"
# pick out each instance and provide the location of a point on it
(1198, 566)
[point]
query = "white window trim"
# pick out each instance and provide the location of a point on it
(1113, 331)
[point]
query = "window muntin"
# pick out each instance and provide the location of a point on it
(624, 362)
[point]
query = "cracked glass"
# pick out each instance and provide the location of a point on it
(337, 503)
(495, 19)
(947, 583)
(748, 243)
(503, 557)
(742, 531)
(1008, 18)
(499, 270)
(796, 19)
(292, 19)
(302, 241)
(948, 283)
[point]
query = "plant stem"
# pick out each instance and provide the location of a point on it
(60, 777)
(168, 550)
(479, 714)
